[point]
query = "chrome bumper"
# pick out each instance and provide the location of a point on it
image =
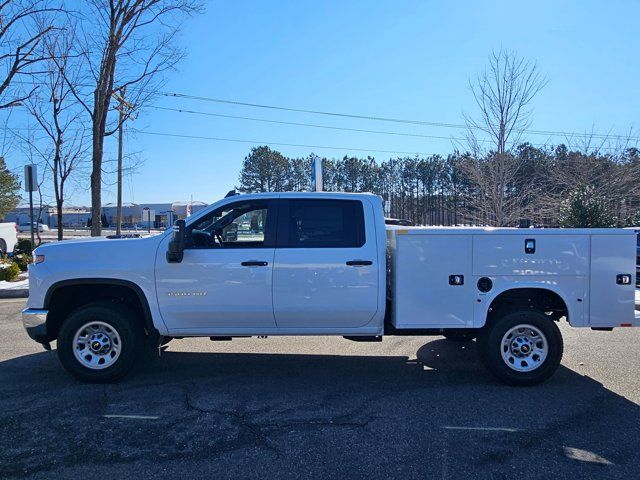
(35, 323)
(32, 318)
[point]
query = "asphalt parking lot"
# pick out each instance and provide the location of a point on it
(416, 407)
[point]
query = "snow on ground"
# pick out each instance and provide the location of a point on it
(18, 285)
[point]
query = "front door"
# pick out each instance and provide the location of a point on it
(224, 282)
(326, 264)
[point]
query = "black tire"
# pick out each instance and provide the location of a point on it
(460, 335)
(121, 320)
(3, 248)
(490, 348)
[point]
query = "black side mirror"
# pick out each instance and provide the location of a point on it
(176, 245)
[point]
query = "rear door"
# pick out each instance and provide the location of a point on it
(326, 264)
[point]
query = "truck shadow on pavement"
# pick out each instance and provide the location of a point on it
(225, 415)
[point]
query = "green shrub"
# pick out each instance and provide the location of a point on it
(22, 260)
(9, 271)
(24, 246)
(586, 208)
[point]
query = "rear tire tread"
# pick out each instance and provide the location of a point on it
(489, 344)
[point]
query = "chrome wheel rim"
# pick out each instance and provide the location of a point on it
(97, 345)
(524, 348)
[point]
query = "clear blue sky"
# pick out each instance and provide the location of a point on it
(404, 59)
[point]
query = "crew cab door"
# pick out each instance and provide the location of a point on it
(224, 282)
(326, 264)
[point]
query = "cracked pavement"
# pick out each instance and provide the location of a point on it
(311, 407)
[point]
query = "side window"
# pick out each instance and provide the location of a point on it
(324, 224)
(239, 225)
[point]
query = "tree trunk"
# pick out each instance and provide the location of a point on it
(96, 180)
(59, 218)
(120, 139)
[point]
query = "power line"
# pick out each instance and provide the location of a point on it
(300, 124)
(554, 133)
(388, 119)
(236, 140)
(331, 127)
(315, 112)
(281, 144)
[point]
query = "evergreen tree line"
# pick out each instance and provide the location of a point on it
(552, 186)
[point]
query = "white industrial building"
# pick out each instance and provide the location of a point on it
(160, 215)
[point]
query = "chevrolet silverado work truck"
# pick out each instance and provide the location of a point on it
(326, 264)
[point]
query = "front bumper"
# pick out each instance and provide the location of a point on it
(35, 323)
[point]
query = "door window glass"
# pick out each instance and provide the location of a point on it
(325, 224)
(239, 225)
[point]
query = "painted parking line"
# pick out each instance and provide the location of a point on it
(585, 456)
(483, 429)
(134, 417)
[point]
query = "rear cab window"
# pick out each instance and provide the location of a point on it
(320, 223)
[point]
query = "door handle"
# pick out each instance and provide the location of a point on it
(254, 263)
(359, 263)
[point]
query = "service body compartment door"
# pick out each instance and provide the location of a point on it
(496, 254)
(426, 293)
(611, 304)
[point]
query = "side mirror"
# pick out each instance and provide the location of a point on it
(176, 245)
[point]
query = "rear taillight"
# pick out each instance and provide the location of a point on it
(38, 259)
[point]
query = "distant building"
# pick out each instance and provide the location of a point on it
(160, 215)
(71, 216)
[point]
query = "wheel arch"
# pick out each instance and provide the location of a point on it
(532, 296)
(98, 289)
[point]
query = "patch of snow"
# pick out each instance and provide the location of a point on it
(17, 285)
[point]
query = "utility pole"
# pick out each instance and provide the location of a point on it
(31, 185)
(122, 106)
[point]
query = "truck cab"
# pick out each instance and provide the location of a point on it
(326, 264)
(295, 263)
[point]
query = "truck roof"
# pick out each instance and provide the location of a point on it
(305, 194)
(507, 231)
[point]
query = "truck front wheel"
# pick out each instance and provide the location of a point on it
(521, 348)
(99, 342)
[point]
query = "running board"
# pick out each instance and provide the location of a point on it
(364, 338)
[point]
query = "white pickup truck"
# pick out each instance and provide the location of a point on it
(8, 237)
(326, 264)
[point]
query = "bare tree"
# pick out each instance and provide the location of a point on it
(22, 30)
(125, 44)
(63, 143)
(503, 94)
(606, 166)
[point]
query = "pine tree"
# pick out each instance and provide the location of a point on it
(9, 189)
(585, 209)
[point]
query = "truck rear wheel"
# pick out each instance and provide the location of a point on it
(521, 348)
(99, 343)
